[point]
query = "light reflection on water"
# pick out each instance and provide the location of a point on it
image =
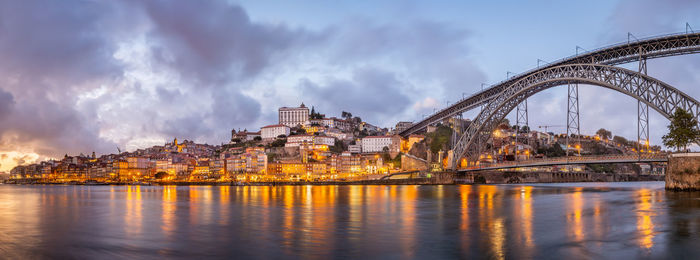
(577, 220)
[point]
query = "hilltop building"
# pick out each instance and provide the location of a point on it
(294, 116)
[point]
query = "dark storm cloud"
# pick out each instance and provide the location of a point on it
(431, 51)
(373, 94)
(216, 43)
(50, 50)
(6, 103)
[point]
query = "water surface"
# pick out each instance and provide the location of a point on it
(544, 221)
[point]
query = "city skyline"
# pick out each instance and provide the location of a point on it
(93, 76)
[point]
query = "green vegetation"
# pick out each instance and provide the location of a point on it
(278, 143)
(602, 168)
(682, 131)
(338, 147)
(552, 151)
(440, 138)
(271, 157)
(314, 114)
(620, 140)
(604, 134)
(387, 159)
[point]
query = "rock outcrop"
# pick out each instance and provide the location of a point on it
(683, 172)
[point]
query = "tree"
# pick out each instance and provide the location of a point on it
(346, 115)
(525, 129)
(506, 122)
(682, 131)
(604, 134)
(257, 138)
(620, 140)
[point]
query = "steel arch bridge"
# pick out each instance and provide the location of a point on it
(662, 97)
(638, 50)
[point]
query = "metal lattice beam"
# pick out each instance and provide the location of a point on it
(662, 97)
(642, 114)
(656, 47)
(572, 119)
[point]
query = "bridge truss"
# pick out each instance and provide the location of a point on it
(662, 97)
(641, 50)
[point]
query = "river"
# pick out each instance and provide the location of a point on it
(543, 221)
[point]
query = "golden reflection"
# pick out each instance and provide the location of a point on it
(573, 217)
(409, 195)
(288, 214)
(490, 223)
(224, 202)
(645, 225)
(194, 205)
(526, 216)
(169, 208)
(464, 191)
(134, 207)
(498, 237)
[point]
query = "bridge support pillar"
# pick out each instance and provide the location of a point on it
(642, 113)
(521, 118)
(572, 119)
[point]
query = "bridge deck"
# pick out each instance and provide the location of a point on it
(571, 160)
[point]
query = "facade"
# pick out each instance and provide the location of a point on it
(243, 136)
(401, 126)
(375, 144)
(355, 148)
(297, 140)
(293, 116)
(273, 131)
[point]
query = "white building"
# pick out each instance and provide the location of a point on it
(293, 116)
(355, 148)
(373, 144)
(297, 140)
(272, 131)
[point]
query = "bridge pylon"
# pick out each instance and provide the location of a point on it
(642, 112)
(572, 119)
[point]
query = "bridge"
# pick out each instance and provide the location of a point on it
(598, 159)
(595, 68)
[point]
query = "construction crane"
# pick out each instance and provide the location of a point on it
(548, 126)
(120, 150)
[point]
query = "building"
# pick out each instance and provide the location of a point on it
(243, 136)
(273, 131)
(401, 126)
(355, 148)
(294, 116)
(296, 140)
(375, 144)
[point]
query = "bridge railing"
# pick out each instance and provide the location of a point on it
(577, 159)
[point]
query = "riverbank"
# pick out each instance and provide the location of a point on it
(441, 178)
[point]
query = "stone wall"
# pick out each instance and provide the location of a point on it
(683, 172)
(408, 163)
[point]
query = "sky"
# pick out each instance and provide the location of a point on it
(84, 76)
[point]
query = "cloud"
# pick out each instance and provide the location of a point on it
(371, 93)
(93, 75)
(48, 57)
(6, 103)
(217, 43)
